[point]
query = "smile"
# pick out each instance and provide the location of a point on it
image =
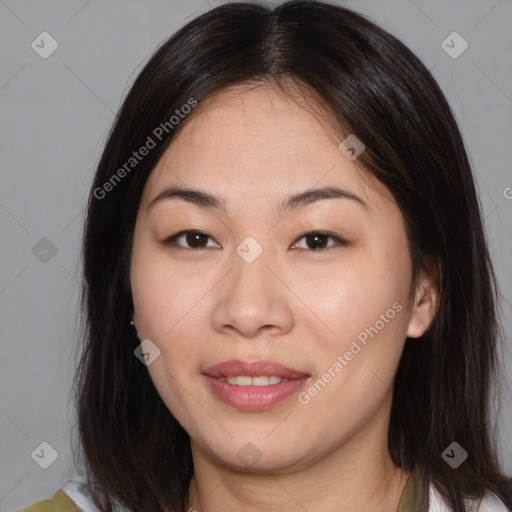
(246, 380)
(253, 385)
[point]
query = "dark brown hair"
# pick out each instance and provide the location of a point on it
(133, 450)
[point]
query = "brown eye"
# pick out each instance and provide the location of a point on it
(193, 239)
(317, 240)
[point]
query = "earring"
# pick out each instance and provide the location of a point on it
(135, 329)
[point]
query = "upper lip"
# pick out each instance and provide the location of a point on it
(237, 367)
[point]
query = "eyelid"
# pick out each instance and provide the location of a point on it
(340, 242)
(171, 240)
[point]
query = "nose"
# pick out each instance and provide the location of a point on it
(253, 298)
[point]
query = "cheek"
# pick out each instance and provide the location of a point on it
(354, 293)
(162, 295)
(171, 314)
(168, 314)
(356, 365)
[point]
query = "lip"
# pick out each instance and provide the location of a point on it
(252, 369)
(253, 398)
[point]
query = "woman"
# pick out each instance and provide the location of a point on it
(289, 300)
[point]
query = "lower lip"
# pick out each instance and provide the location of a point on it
(254, 398)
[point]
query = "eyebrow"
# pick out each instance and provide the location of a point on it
(291, 202)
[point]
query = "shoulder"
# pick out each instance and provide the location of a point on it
(59, 502)
(490, 503)
(70, 498)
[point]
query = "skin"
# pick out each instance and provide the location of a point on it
(294, 304)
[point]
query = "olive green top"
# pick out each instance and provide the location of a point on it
(415, 497)
(60, 502)
(411, 500)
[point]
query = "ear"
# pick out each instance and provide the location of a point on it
(134, 320)
(424, 306)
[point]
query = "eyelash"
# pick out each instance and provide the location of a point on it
(171, 240)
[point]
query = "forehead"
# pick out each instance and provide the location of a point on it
(248, 117)
(256, 141)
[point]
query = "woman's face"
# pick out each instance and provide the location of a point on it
(252, 294)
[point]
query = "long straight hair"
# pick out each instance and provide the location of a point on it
(133, 450)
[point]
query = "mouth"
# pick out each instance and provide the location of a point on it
(253, 385)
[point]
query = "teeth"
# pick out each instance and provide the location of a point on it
(240, 381)
(245, 380)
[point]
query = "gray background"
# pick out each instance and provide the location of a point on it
(55, 116)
